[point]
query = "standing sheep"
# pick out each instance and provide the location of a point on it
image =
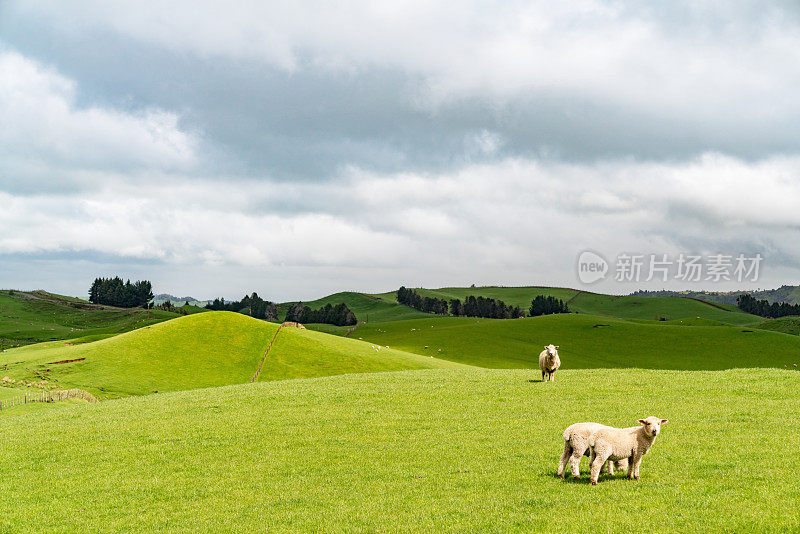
(576, 445)
(618, 443)
(549, 362)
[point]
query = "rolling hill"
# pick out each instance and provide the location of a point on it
(623, 306)
(786, 293)
(428, 451)
(587, 341)
(28, 317)
(374, 308)
(198, 351)
(383, 307)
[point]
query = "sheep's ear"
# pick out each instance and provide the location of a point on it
(557, 346)
(545, 346)
(664, 421)
(643, 421)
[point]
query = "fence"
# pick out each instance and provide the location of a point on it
(47, 396)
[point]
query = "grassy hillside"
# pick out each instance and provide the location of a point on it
(787, 325)
(623, 306)
(304, 353)
(653, 308)
(425, 451)
(202, 350)
(197, 351)
(36, 316)
(374, 308)
(516, 296)
(785, 293)
(587, 341)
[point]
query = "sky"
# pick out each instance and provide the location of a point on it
(302, 148)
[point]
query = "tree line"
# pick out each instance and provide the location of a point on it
(763, 308)
(339, 315)
(542, 305)
(472, 306)
(251, 305)
(113, 292)
(484, 307)
(411, 298)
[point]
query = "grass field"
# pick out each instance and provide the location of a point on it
(787, 325)
(515, 296)
(626, 306)
(654, 308)
(437, 450)
(36, 316)
(198, 351)
(365, 307)
(587, 341)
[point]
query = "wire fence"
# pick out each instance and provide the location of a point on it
(47, 396)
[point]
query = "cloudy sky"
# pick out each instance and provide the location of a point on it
(298, 149)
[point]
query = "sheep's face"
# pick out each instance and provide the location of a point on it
(552, 351)
(652, 425)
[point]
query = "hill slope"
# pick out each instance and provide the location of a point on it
(197, 351)
(36, 316)
(365, 307)
(423, 451)
(623, 306)
(305, 353)
(587, 341)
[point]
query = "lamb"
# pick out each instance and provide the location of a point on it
(576, 445)
(618, 443)
(549, 362)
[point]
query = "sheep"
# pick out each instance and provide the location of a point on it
(549, 362)
(618, 443)
(576, 445)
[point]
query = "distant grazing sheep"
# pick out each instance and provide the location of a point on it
(549, 362)
(576, 445)
(618, 443)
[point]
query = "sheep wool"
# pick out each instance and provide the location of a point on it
(618, 443)
(549, 362)
(576, 446)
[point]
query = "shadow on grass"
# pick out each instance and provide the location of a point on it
(584, 479)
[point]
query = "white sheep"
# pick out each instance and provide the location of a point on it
(618, 443)
(576, 446)
(549, 362)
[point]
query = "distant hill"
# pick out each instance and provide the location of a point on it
(785, 293)
(161, 298)
(622, 306)
(34, 316)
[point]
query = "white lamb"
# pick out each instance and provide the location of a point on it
(549, 362)
(618, 443)
(576, 446)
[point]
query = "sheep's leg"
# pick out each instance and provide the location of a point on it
(553, 376)
(610, 468)
(575, 463)
(543, 380)
(600, 458)
(630, 467)
(636, 463)
(562, 465)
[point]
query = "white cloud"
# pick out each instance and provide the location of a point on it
(516, 221)
(710, 69)
(47, 136)
(708, 59)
